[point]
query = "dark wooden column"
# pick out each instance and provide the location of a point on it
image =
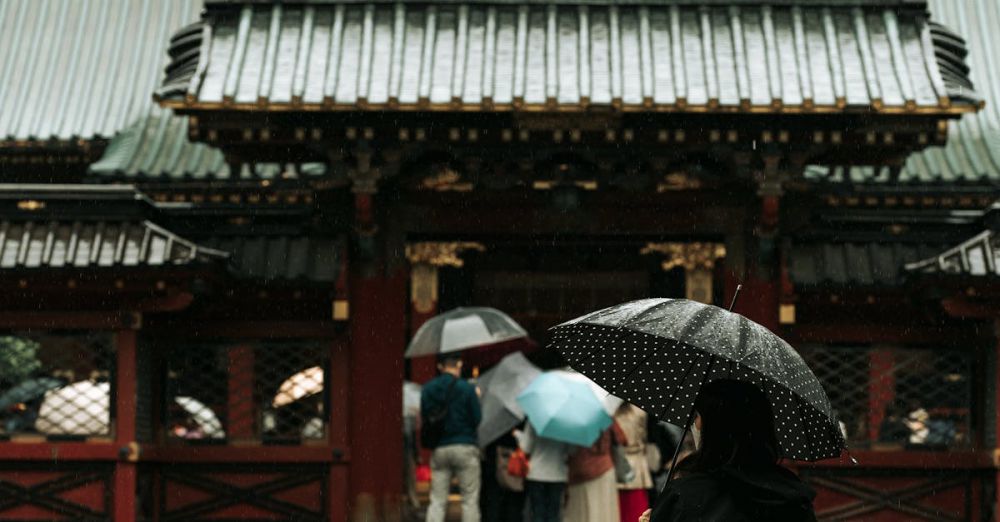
(124, 492)
(881, 388)
(240, 402)
(996, 389)
(378, 336)
(338, 431)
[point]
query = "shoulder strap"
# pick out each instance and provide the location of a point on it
(451, 389)
(443, 409)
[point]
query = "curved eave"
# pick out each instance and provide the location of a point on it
(978, 256)
(733, 57)
(952, 111)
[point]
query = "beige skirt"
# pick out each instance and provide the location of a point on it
(593, 501)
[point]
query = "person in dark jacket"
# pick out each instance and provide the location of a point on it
(456, 453)
(734, 475)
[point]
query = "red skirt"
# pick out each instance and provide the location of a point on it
(632, 503)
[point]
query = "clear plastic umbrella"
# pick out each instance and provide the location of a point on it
(304, 384)
(501, 386)
(202, 415)
(462, 329)
(81, 408)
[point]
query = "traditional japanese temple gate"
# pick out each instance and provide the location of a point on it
(320, 177)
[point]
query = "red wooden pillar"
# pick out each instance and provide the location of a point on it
(240, 392)
(881, 388)
(338, 435)
(996, 390)
(124, 493)
(378, 337)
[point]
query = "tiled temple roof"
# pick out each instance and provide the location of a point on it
(730, 56)
(81, 70)
(96, 244)
(80, 227)
(283, 257)
(976, 256)
(157, 148)
(972, 154)
(853, 263)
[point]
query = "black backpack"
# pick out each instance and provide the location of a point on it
(432, 427)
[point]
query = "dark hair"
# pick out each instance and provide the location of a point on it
(449, 359)
(737, 428)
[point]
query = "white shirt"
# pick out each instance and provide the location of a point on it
(548, 459)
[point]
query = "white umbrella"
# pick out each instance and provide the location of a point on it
(203, 416)
(306, 383)
(463, 328)
(81, 408)
(411, 398)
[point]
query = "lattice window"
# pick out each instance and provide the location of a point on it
(57, 385)
(269, 392)
(898, 397)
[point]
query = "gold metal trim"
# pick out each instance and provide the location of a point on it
(441, 253)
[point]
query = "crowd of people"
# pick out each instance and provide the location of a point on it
(567, 483)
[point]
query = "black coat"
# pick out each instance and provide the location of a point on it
(731, 495)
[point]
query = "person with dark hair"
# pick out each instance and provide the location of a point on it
(734, 474)
(449, 411)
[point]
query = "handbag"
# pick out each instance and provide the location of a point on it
(518, 464)
(654, 458)
(623, 469)
(505, 478)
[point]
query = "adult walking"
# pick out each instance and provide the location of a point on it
(592, 495)
(548, 473)
(500, 500)
(633, 497)
(734, 474)
(450, 413)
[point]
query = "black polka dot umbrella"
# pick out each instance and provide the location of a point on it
(658, 353)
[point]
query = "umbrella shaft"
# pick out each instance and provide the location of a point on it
(680, 444)
(687, 424)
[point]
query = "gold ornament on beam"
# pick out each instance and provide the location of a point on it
(424, 287)
(690, 256)
(441, 253)
(698, 261)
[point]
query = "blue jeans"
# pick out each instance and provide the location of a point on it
(545, 500)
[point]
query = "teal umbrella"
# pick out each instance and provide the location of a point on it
(564, 409)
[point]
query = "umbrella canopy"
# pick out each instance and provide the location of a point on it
(500, 387)
(81, 408)
(28, 390)
(202, 415)
(304, 384)
(463, 328)
(411, 398)
(610, 402)
(564, 409)
(658, 353)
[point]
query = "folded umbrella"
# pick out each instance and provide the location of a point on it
(564, 409)
(500, 387)
(658, 353)
(464, 328)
